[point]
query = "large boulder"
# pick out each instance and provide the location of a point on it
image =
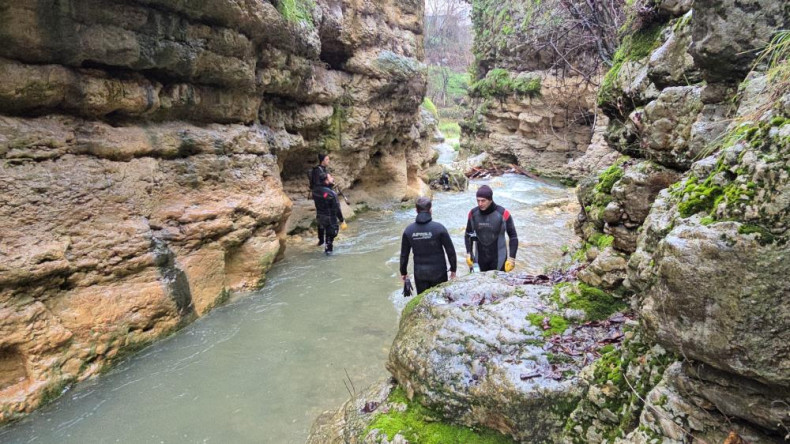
(510, 378)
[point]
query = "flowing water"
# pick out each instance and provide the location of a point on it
(261, 368)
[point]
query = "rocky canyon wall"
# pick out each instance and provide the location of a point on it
(682, 289)
(693, 220)
(144, 148)
(532, 101)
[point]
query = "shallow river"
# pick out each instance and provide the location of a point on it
(262, 367)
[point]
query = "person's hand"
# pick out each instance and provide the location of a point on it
(510, 264)
(469, 260)
(343, 225)
(404, 277)
(452, 275)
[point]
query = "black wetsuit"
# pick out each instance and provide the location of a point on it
(430, 241)
(490, 227)
(315, 182)
(328, 211)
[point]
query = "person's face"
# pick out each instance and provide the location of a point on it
(325, 162)
(483, 203)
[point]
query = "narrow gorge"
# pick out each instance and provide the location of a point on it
(153, 159)
(151, 151)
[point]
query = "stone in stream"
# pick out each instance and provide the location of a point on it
(486, 354)
(470, 350)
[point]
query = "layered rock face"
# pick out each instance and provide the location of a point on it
(699, 212)
(144, 147)
(532, 102)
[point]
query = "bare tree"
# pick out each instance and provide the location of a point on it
(448, 44)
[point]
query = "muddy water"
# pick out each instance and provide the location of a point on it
(261, 368)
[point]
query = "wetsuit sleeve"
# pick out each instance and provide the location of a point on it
(449, 249)
(467, 240)
(405, 250)
(339, 213)
(511, 234)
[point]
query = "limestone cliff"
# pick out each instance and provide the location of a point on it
(693, 221)
(532, 101)
(144, 145)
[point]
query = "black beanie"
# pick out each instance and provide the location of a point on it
(321, 157)
(485, 192)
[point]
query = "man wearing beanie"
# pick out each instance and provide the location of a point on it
(486, 226)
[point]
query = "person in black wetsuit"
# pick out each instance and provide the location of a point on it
(328, 211)
(316, 182)
(430, 242)
(488, 223)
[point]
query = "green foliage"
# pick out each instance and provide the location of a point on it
(601, 240)
(775, 56)
(449, 93)
(450, 129)
(299, 11)
(557, 323)
(500, 83)
(608, 177)
(428, 105)
(418, 424)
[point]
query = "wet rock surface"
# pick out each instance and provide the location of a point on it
(511, 378)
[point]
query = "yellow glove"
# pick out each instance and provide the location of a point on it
(469, 260)
(510, 264)
(344, 225)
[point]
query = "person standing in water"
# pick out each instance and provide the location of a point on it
(486, 225)
(431, 243)
(328, 211)
(316, 182)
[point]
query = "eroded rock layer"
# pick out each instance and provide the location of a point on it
(532, 98)
(693, 220)
(144, 145)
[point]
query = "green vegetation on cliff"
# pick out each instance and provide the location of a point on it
(621, 378)
(634, 47)
(428, 105)
(596, 303)
(419, 424)
(300, 11)
(501, 83)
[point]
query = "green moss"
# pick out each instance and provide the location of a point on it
(558, 358)
(500, 83)
(300, 11)
(596, 303)
(428, 105)
(557, 324)
(698, 197)
(418, 424)
(633, 47)
(608, 177)
(411, 305)
(764, 236)
(601, 240)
